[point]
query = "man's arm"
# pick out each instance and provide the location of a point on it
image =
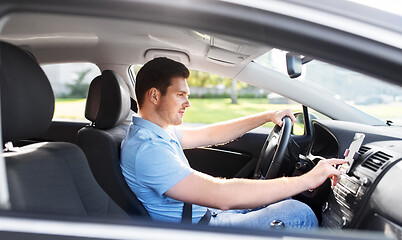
(226, 131)
(204, 190)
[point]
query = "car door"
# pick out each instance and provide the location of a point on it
(233, 159)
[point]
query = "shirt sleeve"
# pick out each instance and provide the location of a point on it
(160, 167)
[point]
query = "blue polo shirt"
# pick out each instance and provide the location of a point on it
(152, 161)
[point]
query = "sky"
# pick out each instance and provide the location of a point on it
(393, 6)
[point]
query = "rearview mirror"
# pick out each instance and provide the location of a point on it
(294, 64)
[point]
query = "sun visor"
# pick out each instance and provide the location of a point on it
(225, 57)
(171, 54)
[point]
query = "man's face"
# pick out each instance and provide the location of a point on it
(172, 106)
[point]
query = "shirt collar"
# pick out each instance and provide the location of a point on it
(152, 127)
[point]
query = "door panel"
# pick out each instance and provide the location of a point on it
(216, 162)
(236, 158)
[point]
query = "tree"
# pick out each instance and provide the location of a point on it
(79, 89)
(203, 79)
(233, 91)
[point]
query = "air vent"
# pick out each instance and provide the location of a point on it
(375, 161)
(363, 150)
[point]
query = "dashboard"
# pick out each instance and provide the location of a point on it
(369, 195)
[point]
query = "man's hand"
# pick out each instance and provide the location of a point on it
(280, 114)
(323, 170)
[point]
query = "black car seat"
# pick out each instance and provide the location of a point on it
(107, 107)
(45, 177)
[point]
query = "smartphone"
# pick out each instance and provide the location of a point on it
(350, 153)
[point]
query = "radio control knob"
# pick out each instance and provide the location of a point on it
(366, 182)
(344, 222)
(325, 207)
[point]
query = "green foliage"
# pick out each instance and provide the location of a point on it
(206, 80)
(203, 79)
(227, 95)
(253, 95)
(215, 110)
(210, 95)
(78, 89)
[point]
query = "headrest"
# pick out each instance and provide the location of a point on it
(27, 100)
(108, 101)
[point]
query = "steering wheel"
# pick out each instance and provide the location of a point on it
(273, 151)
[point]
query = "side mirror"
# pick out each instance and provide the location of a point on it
(294, 64)
(299, 125)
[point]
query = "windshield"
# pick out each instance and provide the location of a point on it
(371, 96)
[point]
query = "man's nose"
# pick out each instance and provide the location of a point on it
(187, 103)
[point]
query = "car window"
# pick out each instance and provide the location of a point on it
(213, 100)
(70, 83)
(371, 96)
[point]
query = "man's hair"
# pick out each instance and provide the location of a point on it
(158, 73)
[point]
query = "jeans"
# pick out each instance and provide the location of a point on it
(294, 214)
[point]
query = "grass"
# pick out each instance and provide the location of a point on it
(220, 109)
(201, 110)
(392, 111)
(70, 108)
(215, 110)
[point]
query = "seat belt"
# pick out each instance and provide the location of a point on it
(187, 214)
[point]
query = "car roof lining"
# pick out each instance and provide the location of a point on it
(262, 25)
(66, 38)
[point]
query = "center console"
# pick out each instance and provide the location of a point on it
(343, 201)
(347, 199)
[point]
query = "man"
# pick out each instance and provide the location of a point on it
(156, 169)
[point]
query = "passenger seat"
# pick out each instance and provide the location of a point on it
(47, 177)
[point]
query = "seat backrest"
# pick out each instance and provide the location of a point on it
(107, 107)
(50, 178)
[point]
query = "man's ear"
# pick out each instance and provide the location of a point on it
(154, 95)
